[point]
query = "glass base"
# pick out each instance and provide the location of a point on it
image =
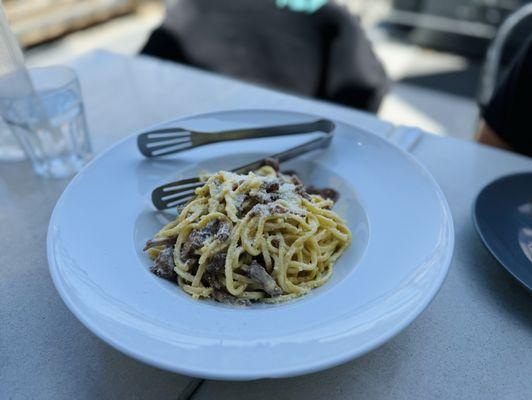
(64, 167)
(11, 153)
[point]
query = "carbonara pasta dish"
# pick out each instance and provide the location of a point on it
(260, 237)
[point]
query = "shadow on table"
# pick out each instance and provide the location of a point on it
(128, 378)
(492, 280)
(329, 384)
(463, 82)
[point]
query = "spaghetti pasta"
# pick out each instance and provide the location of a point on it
(255, 237)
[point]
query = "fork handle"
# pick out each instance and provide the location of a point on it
(319, 143)
(320, 125)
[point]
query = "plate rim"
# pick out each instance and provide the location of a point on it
(231, 374)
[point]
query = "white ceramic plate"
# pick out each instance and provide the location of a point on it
(403, 242)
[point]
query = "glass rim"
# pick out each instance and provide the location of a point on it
(72, 78)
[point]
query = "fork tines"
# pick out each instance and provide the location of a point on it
(164, 141)
(176, 193)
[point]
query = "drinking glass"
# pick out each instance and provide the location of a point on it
(10, 150)
(49, 123)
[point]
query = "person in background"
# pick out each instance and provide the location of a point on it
(314, 48)
(506, 119)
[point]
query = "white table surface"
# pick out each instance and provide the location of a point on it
(473, 341)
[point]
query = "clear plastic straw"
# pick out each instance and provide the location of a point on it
(15, 81)
(11, 58)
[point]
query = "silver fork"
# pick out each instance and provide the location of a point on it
(180, 192)
(161, 142)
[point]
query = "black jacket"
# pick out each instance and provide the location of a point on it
(324, 54)
(509, 112)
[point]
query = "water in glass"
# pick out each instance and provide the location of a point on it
(50, 122)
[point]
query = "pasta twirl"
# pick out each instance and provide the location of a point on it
(255, 237)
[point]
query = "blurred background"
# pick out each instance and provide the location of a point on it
(432, 50)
